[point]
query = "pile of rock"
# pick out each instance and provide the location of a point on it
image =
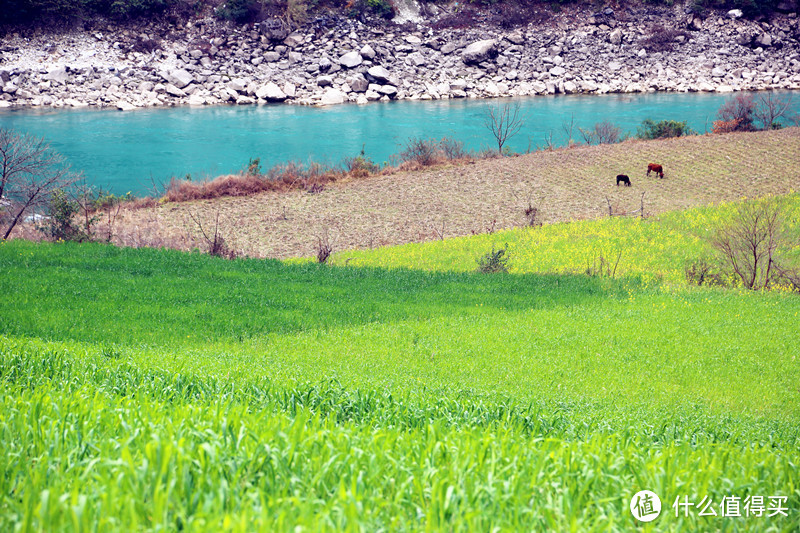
(212, 63)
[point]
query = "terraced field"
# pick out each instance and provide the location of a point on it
(458, 200)
(160, 390)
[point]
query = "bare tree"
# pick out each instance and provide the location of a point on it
(607, 133)
(548, 141)
(569, 128)
(588, 135)
(602, 133)
(324, 247)
(770, 108)
(29, 174)
(504, 122)
(217, 246)
(751, 244)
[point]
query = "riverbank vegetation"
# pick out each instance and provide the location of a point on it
(293, 13)
(476, 196)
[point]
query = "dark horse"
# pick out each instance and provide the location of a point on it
(622, 178)
(658, 169)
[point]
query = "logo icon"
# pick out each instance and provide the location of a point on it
(645, 506)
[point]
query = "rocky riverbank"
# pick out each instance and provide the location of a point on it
(208, 62)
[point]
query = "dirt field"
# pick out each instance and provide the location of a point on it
(564, 184)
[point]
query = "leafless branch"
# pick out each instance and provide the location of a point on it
(770, 108)
(504, 122)
(29, 173)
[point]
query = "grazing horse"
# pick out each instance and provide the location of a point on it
(622, 178)
(658, 169)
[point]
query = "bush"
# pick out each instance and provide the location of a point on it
(59, 225)
(422, 151)
(360, 166)
(663, 130)
(494, 261)
(703, 272)
(240, 11)
(736, 114)
(662, 39)
(603, 133)
(381, 8)
(452, 149)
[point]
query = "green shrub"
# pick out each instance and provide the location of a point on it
(382, 8)
(60, 222)
(361, 165)
(494, 261)
(240, 11)
(663, 129)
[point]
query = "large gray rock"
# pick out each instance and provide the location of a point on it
(271, 92)
(59, 74)
(764, 39)
(388, 90)
(180, 78)
(174, 91)
(293, 40)
(615, 37)
(516, 37)
(480, 51)
(332, 97)
(448, 48)
(274, 29)
(367, 52)
(417, 59)
(379, 73)
(237, 84)
(358, 83)
(351, 60)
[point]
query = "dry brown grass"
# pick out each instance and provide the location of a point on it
(459, 199)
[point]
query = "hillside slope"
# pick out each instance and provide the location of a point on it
(408, 207)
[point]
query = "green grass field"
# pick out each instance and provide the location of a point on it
(149, 390)
(654, 249)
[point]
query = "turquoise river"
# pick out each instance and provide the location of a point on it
(132, 151)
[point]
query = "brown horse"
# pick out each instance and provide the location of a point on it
(625, 180)
(658, 169)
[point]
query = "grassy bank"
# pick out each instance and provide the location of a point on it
(458, 200)
(654, 250)
(148, 389)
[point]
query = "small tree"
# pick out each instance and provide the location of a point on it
(324, 247)
(30, 172)
(736, 114)
(602, 133)
(751, 244)
(663, 129)
(60, 224)
(770, 108)
(217, 245)
(504, 122)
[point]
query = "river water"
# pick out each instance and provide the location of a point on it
(129, 151)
